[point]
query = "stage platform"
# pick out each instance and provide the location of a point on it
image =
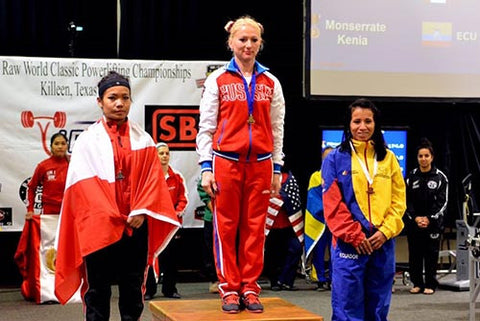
(276, 309)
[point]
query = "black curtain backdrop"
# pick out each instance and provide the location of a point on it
(40, 28)
(193, 30)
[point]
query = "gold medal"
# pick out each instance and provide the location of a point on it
(119, 176)
(251, 120)
(364, 167)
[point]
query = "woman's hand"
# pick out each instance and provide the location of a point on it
(374, 242)
(422, 221)
(29, 215)
(210, 206)
(276, 184)
(377, 240)
(135, 221)
(364, 248)
(208, 183)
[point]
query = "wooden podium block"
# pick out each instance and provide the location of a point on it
(276, 309)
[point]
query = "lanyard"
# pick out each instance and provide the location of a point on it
(250, 93)
(364, 166)
(117, 158)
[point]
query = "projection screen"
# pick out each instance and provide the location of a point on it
(394, 48)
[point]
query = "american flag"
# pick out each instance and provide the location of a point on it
(290, 200)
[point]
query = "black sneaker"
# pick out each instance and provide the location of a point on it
(288, 287)
(231, 303)
(174, 295)
(147, 297)
(251, 303)
(323, 286)
(276, 286)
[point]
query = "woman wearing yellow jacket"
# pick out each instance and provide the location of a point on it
(364, 201)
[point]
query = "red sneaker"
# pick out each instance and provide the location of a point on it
(231, 304)
(251, 303)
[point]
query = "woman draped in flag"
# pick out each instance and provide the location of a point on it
(168, 259)
(117, 214)
(39, 231)
(240, 141)
(364, 201)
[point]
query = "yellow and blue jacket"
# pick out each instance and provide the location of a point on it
(350, 212)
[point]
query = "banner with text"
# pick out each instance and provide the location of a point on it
(42, 96)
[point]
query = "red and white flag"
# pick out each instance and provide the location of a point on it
(35, 257)
(90, 219)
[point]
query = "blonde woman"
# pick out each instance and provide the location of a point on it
(240, 143)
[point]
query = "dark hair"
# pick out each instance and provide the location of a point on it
(425, 143)
(52, 139)
(377, 137)
(112, 79)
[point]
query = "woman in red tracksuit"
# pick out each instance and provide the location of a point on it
(240, 142)
(51, 174)
(168, 259)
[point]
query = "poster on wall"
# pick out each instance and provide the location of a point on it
(43, 96)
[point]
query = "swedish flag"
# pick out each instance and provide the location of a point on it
(314, 219)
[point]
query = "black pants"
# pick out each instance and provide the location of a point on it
(151, 284)
(283, 252)
(168, 263)
(423, 251)
(207, 252)
(123, 263)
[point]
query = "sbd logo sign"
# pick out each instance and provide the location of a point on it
(175, 125)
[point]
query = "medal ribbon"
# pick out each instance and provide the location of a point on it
(364, 166)
(250, 93)
(116, 154)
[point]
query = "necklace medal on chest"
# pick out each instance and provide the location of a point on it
(117, 159)
(369, 178)
(250, 92)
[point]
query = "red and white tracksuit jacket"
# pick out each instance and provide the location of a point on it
(178, 191)
(51, 173)
(240, 154)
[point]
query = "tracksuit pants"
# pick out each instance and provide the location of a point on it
(362, 284)
(240, 209)
(423, 252)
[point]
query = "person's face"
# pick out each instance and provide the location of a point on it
(245, 43)
(115, 103)
(424, 158)
(362, 124)
(59, 147)
(164, 155)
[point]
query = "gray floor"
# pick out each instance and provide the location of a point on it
(443, 305)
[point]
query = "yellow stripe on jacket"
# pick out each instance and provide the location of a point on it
(386, 206)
